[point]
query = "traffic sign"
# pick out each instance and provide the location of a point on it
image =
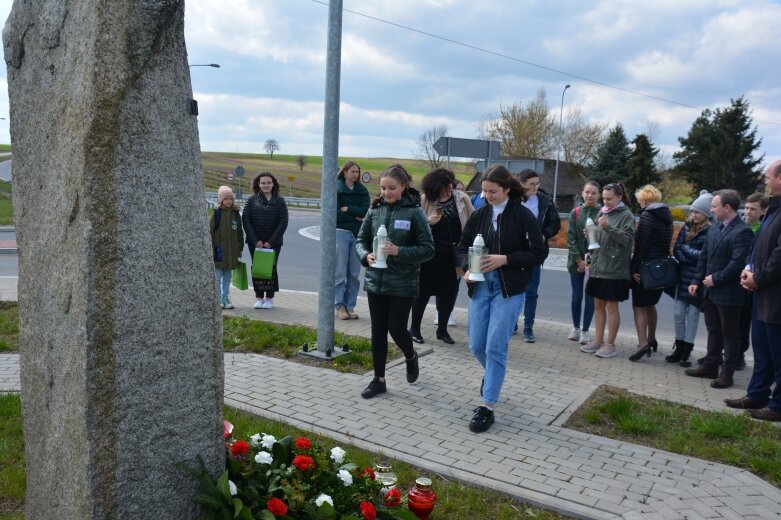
(239, 171)
(230, 177)
(472, 148)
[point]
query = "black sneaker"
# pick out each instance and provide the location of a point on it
(481, 420)
(412, 369)
(376, 387)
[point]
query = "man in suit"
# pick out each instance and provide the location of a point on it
(718, 274)
(763, 276)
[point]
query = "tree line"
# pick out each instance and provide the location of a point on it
(719, 150)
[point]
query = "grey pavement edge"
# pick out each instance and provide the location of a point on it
(526, 454)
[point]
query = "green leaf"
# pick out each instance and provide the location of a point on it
(223, 487)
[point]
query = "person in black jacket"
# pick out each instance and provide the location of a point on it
(544, 209)
(652, 240)
(514, 246)
(687, 250)
(265, 222)
(718, 275)
(763, 276)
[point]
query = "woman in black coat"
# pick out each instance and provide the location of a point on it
(265, 221)
(687, 251)
(652, 240)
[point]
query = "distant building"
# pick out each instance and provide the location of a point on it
(570, 181)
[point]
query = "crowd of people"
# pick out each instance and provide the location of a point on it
(727, 269)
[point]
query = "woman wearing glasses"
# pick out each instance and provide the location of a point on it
(609, 277)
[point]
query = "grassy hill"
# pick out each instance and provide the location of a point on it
(306, 182)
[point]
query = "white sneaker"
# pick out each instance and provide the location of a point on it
(592, 347)
(607, 351)
(258, 304)
(268, 303)
(574, 334)
(585, 337)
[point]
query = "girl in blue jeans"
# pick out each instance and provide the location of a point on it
(514, 246)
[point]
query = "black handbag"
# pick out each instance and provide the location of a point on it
(659, 273)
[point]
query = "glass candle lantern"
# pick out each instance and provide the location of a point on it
(421, 498)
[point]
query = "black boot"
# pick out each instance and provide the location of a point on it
(675, 357)
(412, 369)
(685, 351)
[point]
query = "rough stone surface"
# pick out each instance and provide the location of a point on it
(121, 357)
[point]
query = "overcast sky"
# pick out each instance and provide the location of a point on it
(396, 83)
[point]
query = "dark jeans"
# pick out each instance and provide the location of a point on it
(723, 324)
(530, 303)
(745, 325)
(446, 301)
(389, 314)
(577, 281)
(766, 338)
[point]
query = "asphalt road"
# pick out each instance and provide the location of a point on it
(299, 269)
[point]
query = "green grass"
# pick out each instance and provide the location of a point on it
(455, 501)
(242, 334)
(6, 205)
(722, 437)
(13, 482)
(9, 327)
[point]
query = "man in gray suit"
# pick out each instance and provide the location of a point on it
(718, 272)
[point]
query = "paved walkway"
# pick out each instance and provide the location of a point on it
(527, 453)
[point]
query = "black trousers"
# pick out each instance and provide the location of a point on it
(723, 324)
(446, 301)
(389, 314)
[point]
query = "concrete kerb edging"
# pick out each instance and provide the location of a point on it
(533, 498)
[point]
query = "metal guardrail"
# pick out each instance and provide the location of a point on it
(299, 202)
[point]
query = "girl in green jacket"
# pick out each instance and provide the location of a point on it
(391, 290)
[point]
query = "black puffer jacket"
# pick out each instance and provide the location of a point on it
(653, 235)
(687, 255)
(518, 236)
(265, 219)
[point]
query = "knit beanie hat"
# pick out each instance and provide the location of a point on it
(702, 204)
(225, 191)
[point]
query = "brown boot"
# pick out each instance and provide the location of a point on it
(724, 380)
(704, 371)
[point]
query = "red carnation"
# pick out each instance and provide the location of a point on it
(368, 511)
(276, 507)
(303, 462)
(303, 444)
(392, 497)
(240, 448)
(369, 473)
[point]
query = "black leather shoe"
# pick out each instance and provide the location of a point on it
(417, 337)
(642, 351)
(444, 336)
(481, 420)
(412, 369)
(376, 387)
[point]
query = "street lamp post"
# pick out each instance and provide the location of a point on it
(215, 65)
(558, 148)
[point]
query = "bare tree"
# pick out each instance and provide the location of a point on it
(425, 142)
(532, 130)
(301, 162)
(271, 146)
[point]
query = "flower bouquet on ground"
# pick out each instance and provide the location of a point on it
(292, 479)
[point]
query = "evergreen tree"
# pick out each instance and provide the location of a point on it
(642, 168)
(718, 151)
(611, 161)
